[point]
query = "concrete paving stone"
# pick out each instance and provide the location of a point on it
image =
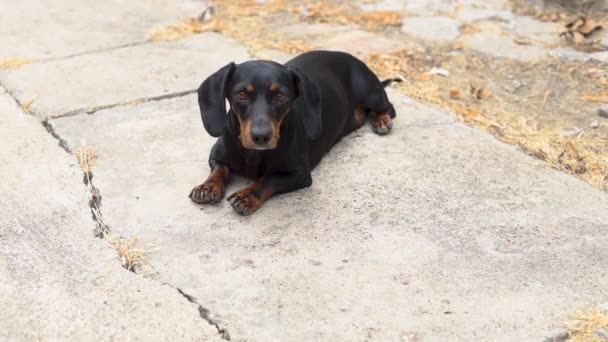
(120, 75)
(476, 14)
(30, 29)
(431, 7)
(602, 36)
(274, 55)
(538, 31)
(359, 43)
(436, 231)
(503, 46)
(569, 54)
(600, 56)
(57, 281)
(436, 28)
(311, 29)
(384, 5)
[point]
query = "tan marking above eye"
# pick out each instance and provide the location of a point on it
(249, 88)
(273, 87)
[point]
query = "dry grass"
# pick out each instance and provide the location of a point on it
(581, 155)
(582, 325)
(15, 62)
(86, 156)
(377, 20)
(584, 156)
(185, 28)
(246, 21)
(132, 252)
(371, 20)
(27, 104)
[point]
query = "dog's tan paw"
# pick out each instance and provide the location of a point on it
(208, 192)
(243, 202)
(382, 123)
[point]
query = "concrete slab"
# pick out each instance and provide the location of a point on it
(436, 231)
(359, 43)
(431, 28)
(115, 76)
(57, 281)
(503, 46)
(476, 14)
(600, 56)
(312, 29)
(569, 54)
(538, 31)
(31, 29)
(274, 55)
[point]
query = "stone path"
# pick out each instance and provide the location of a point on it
(434, 232)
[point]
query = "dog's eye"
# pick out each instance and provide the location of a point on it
(280, 97)
(241, 96)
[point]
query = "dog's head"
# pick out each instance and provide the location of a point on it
(261, 94)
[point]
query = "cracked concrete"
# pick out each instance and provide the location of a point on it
(92, 110)
(435, 232)
(57, 281)
(55, 32)
(120, 75)
(373, 231)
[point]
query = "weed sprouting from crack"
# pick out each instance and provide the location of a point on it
(132, 253)
(87, 156)
(584, 324)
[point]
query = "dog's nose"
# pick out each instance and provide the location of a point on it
(261, 135)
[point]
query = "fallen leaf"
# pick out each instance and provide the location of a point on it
(458, 46)
(454, 93)
(589, 27)
(550, 16)
(581, 28)
(577, 38)
(522, 40)
(465, 112)
(468, 28)
(479, 93)
(597, 97)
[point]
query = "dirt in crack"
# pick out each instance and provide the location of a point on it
(51, 130)
(206, 315)
(133, 258)
(102, 230)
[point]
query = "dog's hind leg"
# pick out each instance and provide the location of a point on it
(381, 111)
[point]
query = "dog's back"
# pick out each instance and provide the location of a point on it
(349, 92)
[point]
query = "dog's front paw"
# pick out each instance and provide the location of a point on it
(243, 202)
(382, 124)
(209, 192)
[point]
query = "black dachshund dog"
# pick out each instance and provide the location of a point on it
(282, 120)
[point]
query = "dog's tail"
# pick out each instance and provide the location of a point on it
(388, 82)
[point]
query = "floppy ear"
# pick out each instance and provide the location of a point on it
(212, 100)
(308, 104)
